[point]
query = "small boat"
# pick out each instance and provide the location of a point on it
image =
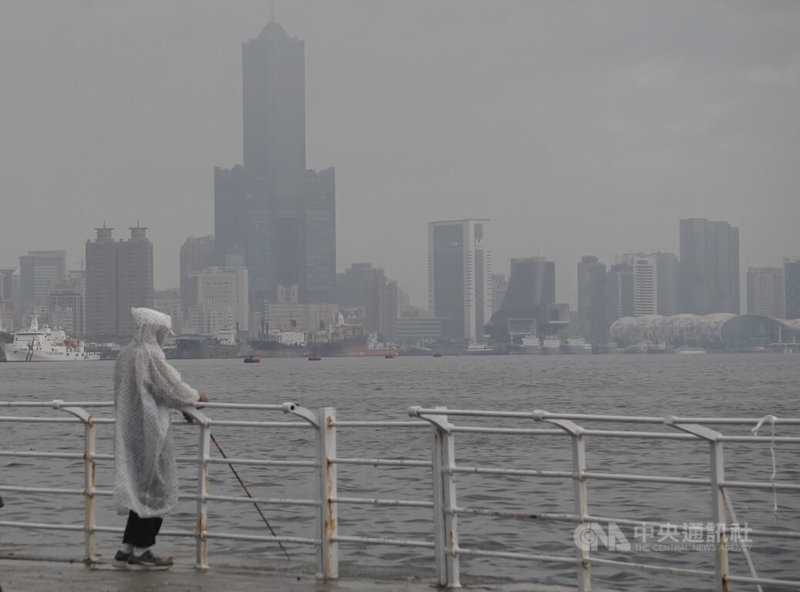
(390, 356)
(252, 360)
(314, 358)
(437, 355)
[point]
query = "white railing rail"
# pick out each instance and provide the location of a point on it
(441, 423)
(448, 548)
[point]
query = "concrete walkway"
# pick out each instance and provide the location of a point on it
(50, 576)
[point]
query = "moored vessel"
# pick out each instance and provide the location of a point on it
(46, 344)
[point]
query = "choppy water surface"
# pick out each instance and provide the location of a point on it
(377, 388)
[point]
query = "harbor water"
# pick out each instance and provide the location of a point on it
(721, 385)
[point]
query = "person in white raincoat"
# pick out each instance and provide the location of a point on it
(146, 388)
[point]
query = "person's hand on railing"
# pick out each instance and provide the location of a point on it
(202, 399)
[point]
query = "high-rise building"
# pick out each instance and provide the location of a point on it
(791, 273)
(101, 284)
(459, 277)
(8, 279)
(272, 214)
(709, 267)
(6, 285)
(592, 299)
(196, 254)
(528, 299)
(766, 292)
(66, 310)
(620, 291)
(219, 298)
(367, 289)
(655, 283)
(499, 289)
(119, 275)
(40, 272)
(134, 277)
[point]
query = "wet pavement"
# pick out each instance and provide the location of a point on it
(45, 576)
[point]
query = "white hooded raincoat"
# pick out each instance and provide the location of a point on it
(146, 387)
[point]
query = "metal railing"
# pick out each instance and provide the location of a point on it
(443, 469)
(720, 507)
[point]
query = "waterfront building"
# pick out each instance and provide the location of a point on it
(134, 277)
(39, 273)
(531, 290)
(620, 291)
(9, 298)
(169, 302)
(273, 214)
(119, 275)
(219, 300)
(366, 289)
(655, 283)
(297, 316)
(459, 277)
(499, 289)
(592, 299)
(709, 267)
(196, 254)
(65, 308)
(419, 330)
(766, 292)
(791, 273)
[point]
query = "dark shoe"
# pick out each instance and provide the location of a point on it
(149, 561)
(121, 559)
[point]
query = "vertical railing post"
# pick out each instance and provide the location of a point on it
(89, 483)
(581, 506)
(580, 494)
(714, 439)
(445, 517)
(329, 548)
(203, 487)
(325, 426)
(89, 479)
(718, 514)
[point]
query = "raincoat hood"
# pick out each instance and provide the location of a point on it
(148, 323)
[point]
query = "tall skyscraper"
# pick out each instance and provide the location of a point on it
(709, 267)
(40, 272)
(9, 288)
(620, 291)
(592, 299)
(134, 277)
(196, 254)
(530, 294)
(766, 292)
(655, 283)
(460, 277)
(791, 272)
(119, 275)
(273, 214)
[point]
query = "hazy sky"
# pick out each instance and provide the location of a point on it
(575, 127)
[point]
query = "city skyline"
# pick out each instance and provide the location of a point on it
(576, 129)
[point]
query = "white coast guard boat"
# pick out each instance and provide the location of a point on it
(46, 345)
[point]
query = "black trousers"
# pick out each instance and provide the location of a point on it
(141, 532)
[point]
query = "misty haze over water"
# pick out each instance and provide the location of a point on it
(576, 128)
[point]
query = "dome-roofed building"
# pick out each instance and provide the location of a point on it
(719, 331)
